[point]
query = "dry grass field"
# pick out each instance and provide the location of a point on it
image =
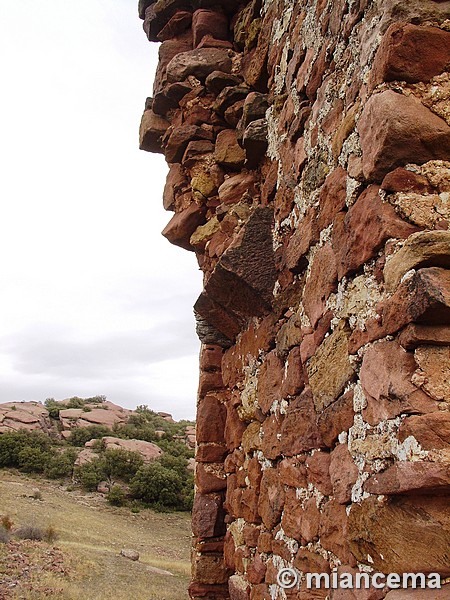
(84, 563)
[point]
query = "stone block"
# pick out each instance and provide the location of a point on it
(321, 282)
(269, 381)
(182, 225)
(200, 63)
(271, 498)
(411, 53)
(417, 335)
(421, 249)
(299, 431)
(410, 534)
(407, 477)
(227, 150)
(396, 130)
(209, 22)
(208, 516)
(151, 131)
(211, 416)
(362, 231)
(330, 369)
(336, 418)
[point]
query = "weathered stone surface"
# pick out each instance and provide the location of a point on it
(300, 520)
(180, 138)
(269, 381)
(417, 335)
(417, 477)
(176, 181)
(411, 53)
(271, 499)
(255, 141)
(318, 472)
(402, 534)
(270, 442)
(294, 376)
(396, 130)
(182, 225)
(422, 249)
(330, 369)
(402, 180)
(201, 63)
(299, 431)
(386, 377)
(152, 129)
(243, 280)
(147, 450)
(362, 231)
(433, 373)
(209, 22)
(227, 150)
(306, 234)
(333, 531)
(234, 188)
(207, 516)
(431, 431)
(419, 594)
(322, 281)
(336, 418)
(343, 473)
(210, 478)
(159, 13)
(211, 415)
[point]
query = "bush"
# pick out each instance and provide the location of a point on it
(6, 522)
(50, 534)
(116, 496)
(33, 460)
(30, 532)
(111, 465)
(61, 465)
(4, 535)
(154, 484)
(89, 475)
(81, 435)
(12, 444)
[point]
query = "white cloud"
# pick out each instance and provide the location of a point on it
(90, 292)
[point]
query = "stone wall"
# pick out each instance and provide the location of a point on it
(309, 151)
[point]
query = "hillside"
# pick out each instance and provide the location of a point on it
(85, 560)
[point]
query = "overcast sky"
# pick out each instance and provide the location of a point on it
(93, 300)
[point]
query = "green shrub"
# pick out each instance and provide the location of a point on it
(111, 465)
(154, 484)
(116, 496)
(61, 465)
(33, 460)
(11, 445)
(81, 435)
(89, 475)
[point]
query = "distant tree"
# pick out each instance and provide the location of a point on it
(154, 484)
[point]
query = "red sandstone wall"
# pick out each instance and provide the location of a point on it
(309, 152)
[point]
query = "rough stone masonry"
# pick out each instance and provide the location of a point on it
(309, 151)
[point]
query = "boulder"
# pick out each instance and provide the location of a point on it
(131, 554)
(183, 224)
(200, 63)
(147, 450)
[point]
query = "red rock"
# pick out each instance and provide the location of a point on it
(306, 234)
(336, 418)
(234, 428)
(411, 53)
(151, 131)
(207, 516)
(402, 534)
(364, 593)
(322, 281)
(343, 473)
(333, 532)
(209, 478)
(318, 472)
(269, 381)
(419, 594)
(159, 13)
(308, 562)
(208, 41)
(360, 233)
(260, 592)
(292, 472)
(431, 431)
(227, 150)
(396, 130)
(254, 142)
(418, 477)
(200, 63)
(176, 181)
(209, 381)
(312, 341)
(300, 520)
(211, 358)
(211, 416)
(256, 571)
(299, 431)
(271, 498)
(270, 444)
(385, 376)
(294, 376)
(167, 51)
(201, 590)
(209, 22)
(211, 453)
(417, 335)
(180, 138)
(402, 180)
(233, 188)
(238, 588)
(180, 21)
(209, 569)
(332, 197)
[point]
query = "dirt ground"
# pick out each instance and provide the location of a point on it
(85, 563)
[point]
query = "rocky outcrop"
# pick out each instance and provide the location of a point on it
(309, 152)
(146, 450)
(31, 416)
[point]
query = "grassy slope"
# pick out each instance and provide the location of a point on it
(91, 535)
